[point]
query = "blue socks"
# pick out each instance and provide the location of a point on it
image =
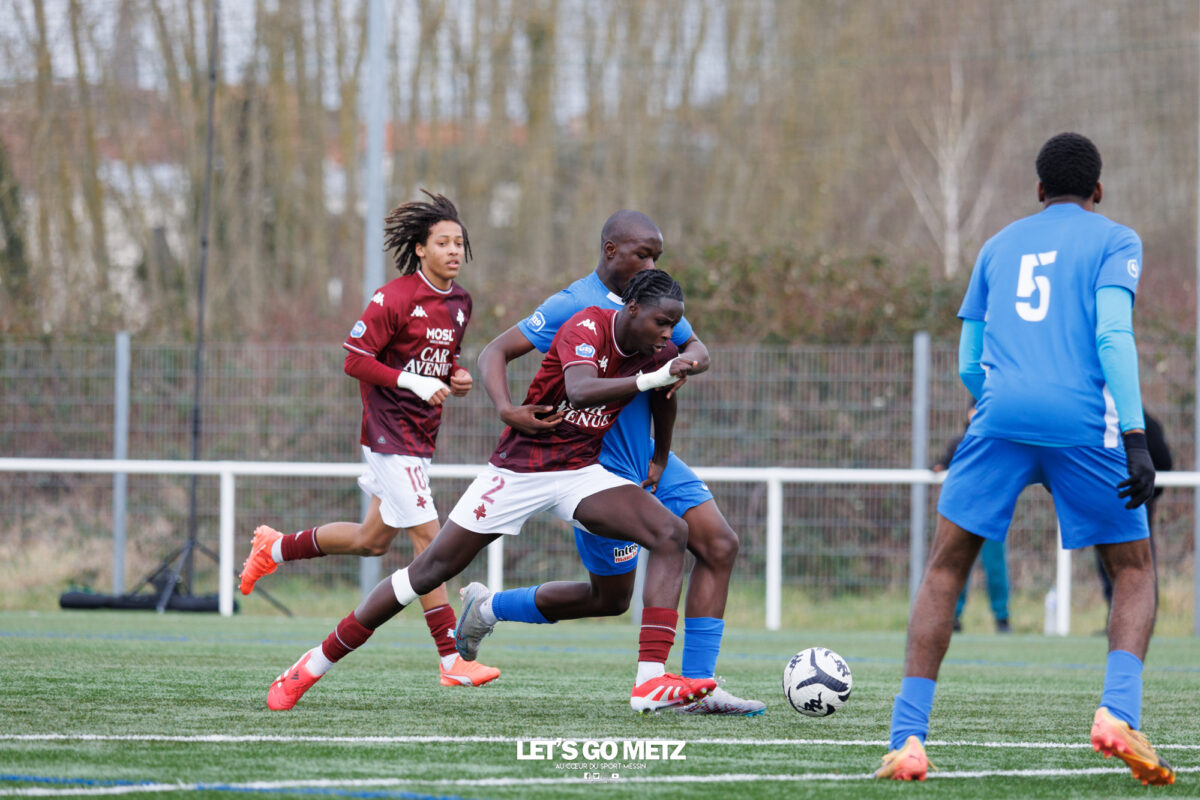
(701, 645)
(516, 605)
(910, 712)
(1122, 694)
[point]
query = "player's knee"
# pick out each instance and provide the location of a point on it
(719, 549)
(668, 535)
(374, 547)
(610, 604)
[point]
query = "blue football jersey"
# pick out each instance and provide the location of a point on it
(627, 446)
(1034, 286)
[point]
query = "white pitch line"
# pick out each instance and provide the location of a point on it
(220, 738)
(378, 783)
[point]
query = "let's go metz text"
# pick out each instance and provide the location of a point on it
(600, 750)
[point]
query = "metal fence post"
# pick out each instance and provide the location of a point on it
(374, 98)
(774, 552)
(121, 372)
(225, 565)
(919, 492)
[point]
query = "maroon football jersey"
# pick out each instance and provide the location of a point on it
(586, 338)
(409, 326)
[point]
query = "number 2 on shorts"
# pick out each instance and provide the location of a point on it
(487, 496)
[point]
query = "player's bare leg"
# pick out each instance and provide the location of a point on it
(1131, 619)
(448, 555)
(628, 512)
(439, 616)
(600, 596)
(1130, 623)
(450, 552)
(715, 545)
(371, 537)
(931, 620)
(930, 623)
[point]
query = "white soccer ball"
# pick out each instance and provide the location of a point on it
(817, 682)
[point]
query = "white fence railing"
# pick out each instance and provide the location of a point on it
(773, 477)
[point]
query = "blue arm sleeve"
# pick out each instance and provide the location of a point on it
(970, 351)
(1118, 354)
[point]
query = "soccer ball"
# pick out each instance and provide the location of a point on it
(817, 682)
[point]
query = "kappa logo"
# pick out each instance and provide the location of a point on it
(419, 312)
(462, 318)
(585, 350)
(378, 298)
(358, 330)
(587, 323)
(603, 362)
(624, 554)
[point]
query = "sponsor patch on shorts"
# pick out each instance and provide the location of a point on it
(626, 553)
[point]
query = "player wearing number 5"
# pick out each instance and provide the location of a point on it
(404, 352)
(1047, 349)
(599, 361)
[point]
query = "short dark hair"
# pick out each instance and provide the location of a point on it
(408, 225)
(1069, 164)
(650, 286)
(625, 224)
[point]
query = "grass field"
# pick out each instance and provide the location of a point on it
(133, 703)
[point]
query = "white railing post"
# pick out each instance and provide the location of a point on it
(1062, 619)
(495, 565)
(225, 546)
(918, 492)
(774, 551)
(121, 374)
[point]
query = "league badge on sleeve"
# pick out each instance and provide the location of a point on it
(585, 350)
(358, 330)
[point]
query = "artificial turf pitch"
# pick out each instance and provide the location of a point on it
(131, 704)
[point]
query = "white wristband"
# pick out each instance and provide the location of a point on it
(420, 385)
(659, 378)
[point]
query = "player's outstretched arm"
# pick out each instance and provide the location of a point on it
(493, 368)
(586, 389)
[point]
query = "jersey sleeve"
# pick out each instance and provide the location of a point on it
(683, 332)
(1122, 261)
(974, 304)
(368, 338)
(580, 340)
(374, 329)
(540, 326)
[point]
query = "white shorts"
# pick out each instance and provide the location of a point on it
(402, 485)
(500, 500)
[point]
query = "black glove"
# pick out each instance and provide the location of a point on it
(1139, 486)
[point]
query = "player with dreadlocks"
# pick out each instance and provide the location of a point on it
(599, 361)
(404, 352)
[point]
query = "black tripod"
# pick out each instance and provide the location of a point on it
(179, 567)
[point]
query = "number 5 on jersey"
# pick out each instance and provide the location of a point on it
(1028, 283)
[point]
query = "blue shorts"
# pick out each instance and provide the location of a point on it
(679, 490)
(988, 474)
